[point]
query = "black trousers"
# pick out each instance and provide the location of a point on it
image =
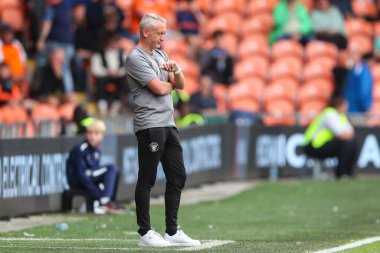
(344, 150)
(161, 144)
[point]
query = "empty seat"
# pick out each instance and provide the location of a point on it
(284, 48)
(228, 22)
(245, 95)
(279, 112)
(363, 42)
(255, 66)
(14, 17)
(191, 85)
(284, 89)
(316, 70)
(259, 6)
(317, 48)
(375, 70)
(308, 110)
(357, 26)
(364, 8)
(188, 66)
(290, 67)
(66, 111)
(258, 24)
(222, 6)
(317, 89)
(176, 46)
(253, 45)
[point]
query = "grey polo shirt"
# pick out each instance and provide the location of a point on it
(151, 110)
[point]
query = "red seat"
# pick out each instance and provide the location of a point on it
(316, 49)
(364, 8)
(357, 26)
(279, 112)
(253, 45)
(258, 24)
(284, 48)
(316, 70)
(289, 67)
(309, 110)
(363, 42)
(255, 66)
(176, 46)
(259, 6)
(222, 6)
(246, 95)
(227, 22)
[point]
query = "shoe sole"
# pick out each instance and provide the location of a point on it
(185, 244)
(142, 244)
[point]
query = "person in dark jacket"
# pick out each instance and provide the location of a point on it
(84, 171)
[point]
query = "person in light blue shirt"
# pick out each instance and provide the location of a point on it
(358, 85)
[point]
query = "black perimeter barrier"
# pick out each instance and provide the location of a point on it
(32, 171)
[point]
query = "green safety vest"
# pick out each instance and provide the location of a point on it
(84, 123)
(318, 136)
(192, 118)
(180, 95)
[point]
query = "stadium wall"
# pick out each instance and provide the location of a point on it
(32, 171)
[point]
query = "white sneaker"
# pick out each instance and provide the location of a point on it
(153, 239)
(181, 239)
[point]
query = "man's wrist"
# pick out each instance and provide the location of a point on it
(178, 71)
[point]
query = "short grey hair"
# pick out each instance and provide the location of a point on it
(150, 20)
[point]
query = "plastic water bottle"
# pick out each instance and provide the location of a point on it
(62, 226)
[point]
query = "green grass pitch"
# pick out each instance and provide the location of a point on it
(288, 216)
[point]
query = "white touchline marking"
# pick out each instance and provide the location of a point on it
(207, 245)
(350, 245)
(61, 239)
(71, 248)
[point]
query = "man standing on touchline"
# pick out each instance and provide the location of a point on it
(151, 76)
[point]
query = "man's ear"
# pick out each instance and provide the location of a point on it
(146, 32)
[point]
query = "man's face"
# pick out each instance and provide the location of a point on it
(155, 36)
(94, 138)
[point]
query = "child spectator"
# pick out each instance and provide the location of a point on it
(292, 21)
(85, 172)
(108, 68)
(328, 24)
(9, 91)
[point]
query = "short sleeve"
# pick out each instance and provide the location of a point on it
(140, 70)
(49, 13)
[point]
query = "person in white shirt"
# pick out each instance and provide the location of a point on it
(107, 66)
(332, 135)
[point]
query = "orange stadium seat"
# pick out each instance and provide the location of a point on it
(260, 6)
(253, 45)
(318, 89)
(309, 110)
(14, 17)
(66, 111)
(284, 48)
(176, 46)
(377, 28)
(308, 4)
(255, 66)
(279, 112)
(364, 43)
(13, 114)
(126, 44)
(357, 26)
(376, 92)
(284, 89)
(229, 43)
(188, 66)
(227, 22)
(191, 85)
(258, 24)
(245, 95)
(364, 8)
(6, 4)
(316, 70)
(220, 92)
(290, 67)
(205, 6)
(222, 6)
(375, 70)
(42, 111)
(317, 48)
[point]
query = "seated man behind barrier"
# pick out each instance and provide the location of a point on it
(85, 172)
(332, 135)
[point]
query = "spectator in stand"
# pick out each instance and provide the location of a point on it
(292, 21)
(84, 46)
(358, 85)
(217, 62)
(328, 23)
(49, 79)
(99, 15)
(344, 6)
(203, 101)
(12, 53)
(190, 20)
(9, 91)
(108, 68)
(57, 32)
